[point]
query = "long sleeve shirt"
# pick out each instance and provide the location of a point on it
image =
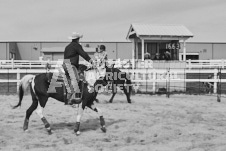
(73, 51)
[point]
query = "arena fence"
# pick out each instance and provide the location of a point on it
(206, 77)
(149, 81)
(127, 63)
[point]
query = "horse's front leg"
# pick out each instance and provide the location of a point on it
(100, 113)
(114, 91)
(112, 97)
(78, 119)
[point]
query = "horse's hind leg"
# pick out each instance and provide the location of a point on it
(127, 93)
(29, 112)
(41, 104)
(102, 121)
(78, 119)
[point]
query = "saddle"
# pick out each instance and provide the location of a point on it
(72, 98)
(88, 76)
(65, 81)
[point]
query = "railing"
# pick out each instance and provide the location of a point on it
(41, 64)
(30, 64)
(153, 76)
(204, 64)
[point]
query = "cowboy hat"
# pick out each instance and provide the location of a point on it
(75, 35)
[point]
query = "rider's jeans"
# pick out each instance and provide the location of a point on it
(72, 73)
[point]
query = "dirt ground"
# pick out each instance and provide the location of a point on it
(152, 123)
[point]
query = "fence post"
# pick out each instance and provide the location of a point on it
(12, 63)
(189, 64)
(219, 85)
(8, 79)
(154, 78)
(18, 78)
(215, 83)
(133, 63)
(199, 81)
(146, 78)
(168, 83)
(185, 76)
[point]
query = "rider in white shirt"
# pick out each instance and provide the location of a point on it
(100, 58)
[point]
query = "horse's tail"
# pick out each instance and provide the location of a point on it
(22, 88)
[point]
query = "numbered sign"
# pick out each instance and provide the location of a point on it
(173, 45)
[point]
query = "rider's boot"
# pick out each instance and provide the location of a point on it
(78, 93)
(75, 96)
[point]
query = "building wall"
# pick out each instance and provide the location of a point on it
(111, 47)
(29, 50)
(122, 50)
(53, 44)
(204, 49)
(219, 51)
(3, 51)
(207, 50)
(58, 55)
(12, 48)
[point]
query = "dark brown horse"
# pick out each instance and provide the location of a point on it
(119, 79)
(116, 78)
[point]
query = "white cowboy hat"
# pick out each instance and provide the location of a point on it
(75, 35)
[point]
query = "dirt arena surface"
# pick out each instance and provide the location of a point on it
(150, 123)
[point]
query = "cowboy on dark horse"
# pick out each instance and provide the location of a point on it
(71, 89)
(71, 66)
(53, 84)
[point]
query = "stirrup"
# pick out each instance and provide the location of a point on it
(76, 98)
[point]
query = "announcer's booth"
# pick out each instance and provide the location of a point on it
(158, 40)
(160, 45)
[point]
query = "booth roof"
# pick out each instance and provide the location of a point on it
(158, 30)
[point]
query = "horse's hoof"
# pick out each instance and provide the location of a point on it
(97, 100)
(103, 129)
(26, 130)
(78, 133)
(50, 132)
(110, 101)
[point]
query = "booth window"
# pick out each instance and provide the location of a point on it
(192, 56)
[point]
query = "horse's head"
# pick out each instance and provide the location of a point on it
(91, 78)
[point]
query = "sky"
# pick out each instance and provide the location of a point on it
(107, 20)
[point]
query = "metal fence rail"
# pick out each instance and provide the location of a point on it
(128, 63)
(145, 77)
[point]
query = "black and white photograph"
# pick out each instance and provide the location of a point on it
(113, 75)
